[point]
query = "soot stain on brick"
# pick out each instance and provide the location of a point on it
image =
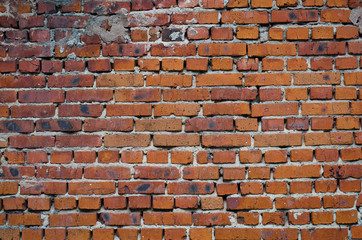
(113, 7)
(193, 188)
(292, 16)
(126, 189)
(214, 218)
(45, 125)
(13, 127)
(337, 172)
(207, 49)
(140, 96)
(14, 172)
(105, 217)
(65, 125)
(312, 14)
(207, 187)
(326, 77)
(120, 49)
(241, 220)
(321, 47)
(167, 172)
(26, 96)
(98, 9)
(134, 219)
(212, 124)
(2, 174)
(137, 51)
(75, 81)
(144, 187)
(38, 187)
(84, 109)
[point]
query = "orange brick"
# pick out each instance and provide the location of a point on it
(319, 33)
(275, 34)
(247, 33)
(300, 33)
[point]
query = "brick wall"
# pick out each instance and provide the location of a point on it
(180, 119)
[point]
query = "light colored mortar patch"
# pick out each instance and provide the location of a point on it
(356, 18)
(116, 27)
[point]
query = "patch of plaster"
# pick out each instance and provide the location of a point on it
(356, 17)
(109, 28)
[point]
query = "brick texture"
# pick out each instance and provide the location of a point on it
(180, 119)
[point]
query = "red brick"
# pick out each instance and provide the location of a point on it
(300, 187)
(162, 202)
(320, 93)
(306, 171)
(222, 49)
(65, 203)
(298, 203)
(211, 219)
(276, 187)
(233, 173)
(277, 218)
(103, 233)
(259, 172)
(221, 33)
(8, 66)
(41, 96)
(122, 80)
(245, 64)
(101, 188)
(89, 203)
(271, 49)
(247, 188)
(78, 141)
(275, 156)
(247, 203)
(351, 154)
(118, 202)
(301, 155)
(226, 189)
(189, 202)
(51, 66)
(139, 202)
(325, 233)
(124, 233)
(284, 16)
(272, 124)
(339, 201)
(157, 156)
(322, 123)
(172, 64)
(322, 217)
(246, 17)
(197, 33)
(167, 218)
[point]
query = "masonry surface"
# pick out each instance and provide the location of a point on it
(180, 119)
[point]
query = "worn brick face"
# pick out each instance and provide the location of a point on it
(180, 119)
